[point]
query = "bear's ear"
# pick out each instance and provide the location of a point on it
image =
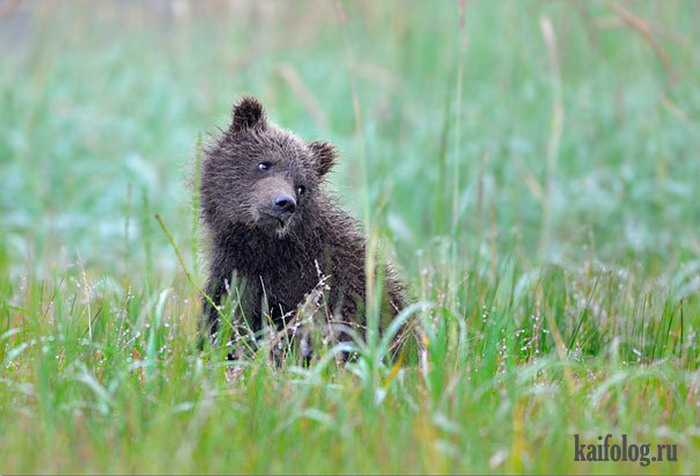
(248, 113)
(324, 154)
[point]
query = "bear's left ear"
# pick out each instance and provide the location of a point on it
(248, 113)
(324, 154)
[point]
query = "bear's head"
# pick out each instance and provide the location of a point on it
(261, 176)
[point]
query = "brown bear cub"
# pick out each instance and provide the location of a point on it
(273, 228)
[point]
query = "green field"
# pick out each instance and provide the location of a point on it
(533, 171)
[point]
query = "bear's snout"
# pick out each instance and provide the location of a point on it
(284, 206)
(274, 203)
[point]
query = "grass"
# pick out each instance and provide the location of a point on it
(538, 187)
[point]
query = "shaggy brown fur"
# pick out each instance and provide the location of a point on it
(272, 226)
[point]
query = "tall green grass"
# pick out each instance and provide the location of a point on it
(556, 261)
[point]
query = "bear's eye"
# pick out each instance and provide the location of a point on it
(264, 166)
(301, 189)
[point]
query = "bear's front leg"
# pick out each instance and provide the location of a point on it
(215, 289)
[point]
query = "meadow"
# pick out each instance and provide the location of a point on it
(531, 168)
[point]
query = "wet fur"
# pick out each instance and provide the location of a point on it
(279, 266)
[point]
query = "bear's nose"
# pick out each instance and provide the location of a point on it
(285, 205)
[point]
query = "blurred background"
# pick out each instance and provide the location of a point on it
(541, 130)
(532, 167)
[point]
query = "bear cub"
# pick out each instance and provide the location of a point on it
(273, 228)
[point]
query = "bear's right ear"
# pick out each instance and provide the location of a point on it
(248, 113)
